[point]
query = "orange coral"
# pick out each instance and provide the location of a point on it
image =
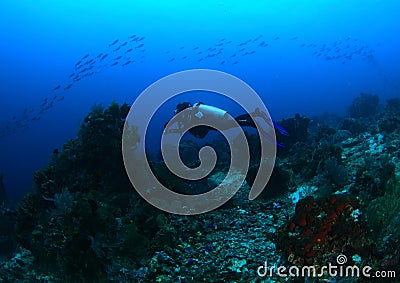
(319, 223)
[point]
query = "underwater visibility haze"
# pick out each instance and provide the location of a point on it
(328, 73)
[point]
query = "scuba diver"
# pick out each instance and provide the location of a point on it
(200, 112)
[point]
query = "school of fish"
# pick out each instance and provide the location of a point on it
(224, 52)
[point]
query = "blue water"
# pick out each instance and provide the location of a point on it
(285, 50)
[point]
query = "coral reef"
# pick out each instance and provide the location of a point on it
(383, 216)
(389, 122)
(83, 212)
(321, 227)
(363, 162)
(7, 243)
(364, 105)
(3, 194)
(297, 127)
(334, 190)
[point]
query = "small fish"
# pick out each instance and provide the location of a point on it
(78, 63)
(234, 63)
(103, 57)
(115, 63)
(68, 86)
(184, 57)
(223, 62)
(119, 57)
(140, 39)
(126, 63)
(140, 45)
(116, 49)
(276, 38)
(56, 87)
(123, 44)
(182, 47)
(85, 56)
(60, 99)
(98, 56)
(172, 59)
(89, 62)
(113, 43)
(71, 75)
(196, 48)
(129, 50)
(132, 36)
(233, 55)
